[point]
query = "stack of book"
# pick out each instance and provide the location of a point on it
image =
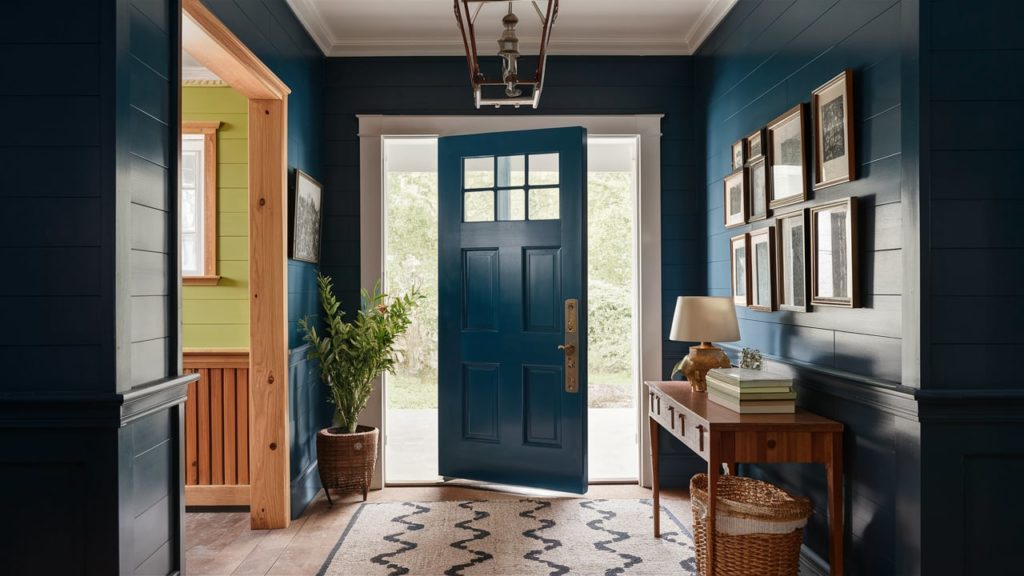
(751, 391)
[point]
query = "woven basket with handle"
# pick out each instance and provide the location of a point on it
(758, 527)
(346, 461)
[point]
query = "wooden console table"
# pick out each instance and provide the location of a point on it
(721, 436)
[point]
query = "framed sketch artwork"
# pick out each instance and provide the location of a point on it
(735, 189)
(762, 269)
(740, 265)
(834, 270)
(787, 158)
(306, 209)
(755, 146)
(791, 241)
(738, 154)
(832, 112)
(758, 179)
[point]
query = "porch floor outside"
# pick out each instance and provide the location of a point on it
(613, 450)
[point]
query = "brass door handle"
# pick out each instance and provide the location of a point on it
(572, 338)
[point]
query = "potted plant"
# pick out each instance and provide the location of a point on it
(352, 355)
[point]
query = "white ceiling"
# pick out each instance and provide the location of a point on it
(194, 72)
(429, 27)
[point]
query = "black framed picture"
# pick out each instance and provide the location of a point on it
(306, 215)
(834, 269)
(792, 240)
(788, 158)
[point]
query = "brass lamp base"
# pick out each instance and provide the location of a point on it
(701, 359)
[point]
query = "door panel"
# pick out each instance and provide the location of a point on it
(512, 246)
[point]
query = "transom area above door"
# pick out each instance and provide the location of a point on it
(510, 188)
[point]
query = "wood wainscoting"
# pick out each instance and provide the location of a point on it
(217, 428)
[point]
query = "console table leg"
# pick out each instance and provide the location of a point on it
(655, 482)
(834, 470)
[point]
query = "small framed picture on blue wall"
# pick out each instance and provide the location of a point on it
(832, 111)
(306, 210)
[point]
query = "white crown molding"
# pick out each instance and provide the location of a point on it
(309, 15)
(708, 21)
(559, 46)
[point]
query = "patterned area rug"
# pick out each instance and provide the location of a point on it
(511, 537)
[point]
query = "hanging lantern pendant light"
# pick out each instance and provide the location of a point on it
(508, 51)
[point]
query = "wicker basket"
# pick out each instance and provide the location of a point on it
(758, 527)
(346, 461)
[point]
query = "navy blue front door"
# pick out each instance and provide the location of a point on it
(512, 290)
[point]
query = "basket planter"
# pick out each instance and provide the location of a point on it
(758, 527)
(346, 461)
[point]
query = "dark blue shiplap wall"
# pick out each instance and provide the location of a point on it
(89, 303)
(274, 34)
(765, 57)
(972, 209)
(574, 85)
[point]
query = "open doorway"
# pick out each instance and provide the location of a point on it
(410, 236)
(245, 370)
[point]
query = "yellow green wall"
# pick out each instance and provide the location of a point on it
(218, 316)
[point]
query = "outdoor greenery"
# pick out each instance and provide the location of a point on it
(353, 354)
(411, 260)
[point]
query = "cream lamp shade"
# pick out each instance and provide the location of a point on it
(705, 319)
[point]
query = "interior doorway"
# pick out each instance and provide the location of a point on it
(410, 236)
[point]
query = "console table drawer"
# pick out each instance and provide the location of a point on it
(682, 423)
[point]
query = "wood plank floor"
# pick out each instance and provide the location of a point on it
(221, 543)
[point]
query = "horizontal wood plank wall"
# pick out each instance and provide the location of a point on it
(217, 428)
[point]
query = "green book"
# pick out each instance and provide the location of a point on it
(760, 393)
(745, 378)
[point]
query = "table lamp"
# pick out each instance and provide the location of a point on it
(703, 319)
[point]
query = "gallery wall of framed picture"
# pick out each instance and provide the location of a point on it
(801, 253)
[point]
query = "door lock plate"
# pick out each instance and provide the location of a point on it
(571, 347)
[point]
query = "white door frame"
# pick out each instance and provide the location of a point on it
(373, 129)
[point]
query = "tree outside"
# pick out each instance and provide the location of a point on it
(412, 261)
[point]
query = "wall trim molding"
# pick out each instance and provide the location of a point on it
(885, 396)
(195, 358)
(811, 564)
(971, 406)
(145, 400)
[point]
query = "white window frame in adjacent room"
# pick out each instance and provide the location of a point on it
(203, 134)
(374, 128)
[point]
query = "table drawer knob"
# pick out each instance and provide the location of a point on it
(682, 421)
(700, 433)
(771, 444)
(672, 417)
